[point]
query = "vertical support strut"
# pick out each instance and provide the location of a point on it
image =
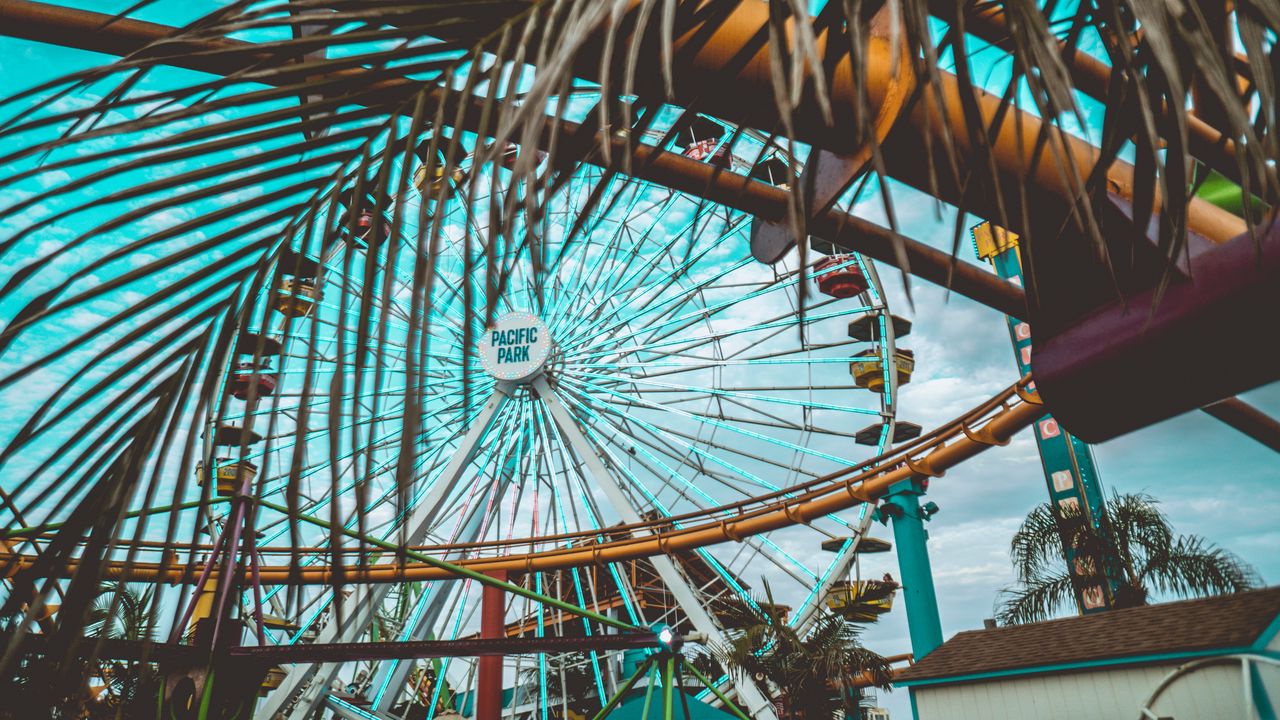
(391, 677)
(902, 505)
(315, 678)
(1075, 488)
(493, 613)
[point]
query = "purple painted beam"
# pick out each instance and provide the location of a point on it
(345, 652)
(1211, 335)
(479, 647)
(1249, 420)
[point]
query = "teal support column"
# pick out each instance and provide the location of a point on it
(902, 506)
(1075, 486)
(632, 659)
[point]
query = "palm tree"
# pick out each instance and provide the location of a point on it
(812, 669)
(1148, 557)
(123, 612)
(118, 611)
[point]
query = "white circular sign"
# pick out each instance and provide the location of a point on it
(515, 347)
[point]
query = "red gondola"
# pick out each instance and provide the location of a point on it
(707, 150)
(248, 376)
(511, 153)
(363, 220)
(701, 141)
(840, 277)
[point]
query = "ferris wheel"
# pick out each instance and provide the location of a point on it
(640, 368)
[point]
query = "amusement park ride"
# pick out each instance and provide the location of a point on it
(604, 454)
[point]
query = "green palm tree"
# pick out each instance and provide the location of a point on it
(813, 670)
(123, 612)
(1149, 558)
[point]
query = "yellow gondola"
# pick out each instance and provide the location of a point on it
(295, 297)
(274, 679)
(868, 370)
(431, 179)
(229, 475)
(275, 622)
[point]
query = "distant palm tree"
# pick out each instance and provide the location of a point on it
(123, 612)
(89, 689)
(1150, 558)
(813, 670)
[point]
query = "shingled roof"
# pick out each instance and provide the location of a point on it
(1202, 625)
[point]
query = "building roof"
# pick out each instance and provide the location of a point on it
(1198, 626)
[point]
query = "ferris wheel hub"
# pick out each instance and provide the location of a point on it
(516, 347)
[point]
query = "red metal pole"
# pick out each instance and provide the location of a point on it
(492, 625)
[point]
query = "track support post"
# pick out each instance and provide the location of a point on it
(902, 506)
(493, 612)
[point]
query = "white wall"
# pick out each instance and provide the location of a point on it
(1212, 693)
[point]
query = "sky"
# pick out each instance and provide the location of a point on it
(1210, 480)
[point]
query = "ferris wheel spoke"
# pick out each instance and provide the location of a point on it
(675, 581)
(784, 321)
(691, 493)
(688, 451)
(691, 443)
(672, 367)
(669, 327)
(351, 287)
(591, 303)
(612, 331)
(718, 424)
(635, 276)
(774, 421)
(572, 289)
(732, 394)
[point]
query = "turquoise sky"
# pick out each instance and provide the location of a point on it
(1212, 480)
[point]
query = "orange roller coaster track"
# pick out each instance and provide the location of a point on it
(993, 422)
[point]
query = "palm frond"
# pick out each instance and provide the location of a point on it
(193, 190)
(1037, 544)
(1041, 598)
(1190, 566)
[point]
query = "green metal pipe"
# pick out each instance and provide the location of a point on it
(667, 686)
(50, 527)
(460, 571)
(648, 693)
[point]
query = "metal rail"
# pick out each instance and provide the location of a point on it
(992, 423)
(121, 649)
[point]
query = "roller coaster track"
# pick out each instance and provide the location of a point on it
(993, 422)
